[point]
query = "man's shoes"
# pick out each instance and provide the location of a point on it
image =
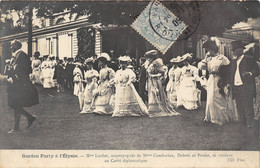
(30, 122)
(13, 131)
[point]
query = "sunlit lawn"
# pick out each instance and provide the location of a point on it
(60, 126)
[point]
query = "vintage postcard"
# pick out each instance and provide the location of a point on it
(129, 84)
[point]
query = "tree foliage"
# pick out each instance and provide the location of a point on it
(215, 16)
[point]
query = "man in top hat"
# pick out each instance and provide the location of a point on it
(21, 92)
(243, 72)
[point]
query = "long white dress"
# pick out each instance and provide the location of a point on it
(188, 92)
(91, 84)
(158, 104)
(36, 71)
(127, 100)
(171, 86)
(219, 109)
(103, 93)
(47, 73)
(77, 77)
(78, 86)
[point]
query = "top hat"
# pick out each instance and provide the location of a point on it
(237, 44)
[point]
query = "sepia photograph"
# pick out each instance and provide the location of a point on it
(131, 75)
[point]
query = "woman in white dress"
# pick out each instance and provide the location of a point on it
(187, 87)
(171, 86)
(218, 106)
(47, 73)
(36, 69)
(77, 79)
(102, 95)
(158, 104)
(127, 100)
(91, 77)
(78, 85)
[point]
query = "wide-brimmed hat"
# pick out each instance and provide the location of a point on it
(130, 66)
(77, 63)
(176, 60)
(104, 55)
(89, 60)
(124, 58)
(151, 54)
(16, 43)
(237, 44)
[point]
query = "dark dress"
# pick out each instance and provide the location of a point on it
(21, 93)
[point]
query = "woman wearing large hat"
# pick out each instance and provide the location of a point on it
(127, 100)
(188, 94)
(47, 72)
(91, 77)
(103, 94)
(158, 104)
(171, 86)
(36, 68)
(217, 109)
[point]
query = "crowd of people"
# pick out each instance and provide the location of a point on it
(154, 89)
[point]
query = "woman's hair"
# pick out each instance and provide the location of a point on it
(211, 45)
(104, 60)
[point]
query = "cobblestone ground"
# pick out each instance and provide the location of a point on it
(60, 126)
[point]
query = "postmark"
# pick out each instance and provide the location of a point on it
(161, 27)
(188, 12)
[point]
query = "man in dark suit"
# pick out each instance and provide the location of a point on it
(21, 92)
(243, 72)
(142, 81)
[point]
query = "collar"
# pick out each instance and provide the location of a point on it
(240, 58)
(16, 53)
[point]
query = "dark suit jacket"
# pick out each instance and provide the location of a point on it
(247, 64)
(21, 92)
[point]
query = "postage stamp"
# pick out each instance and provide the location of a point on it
(159, 26)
